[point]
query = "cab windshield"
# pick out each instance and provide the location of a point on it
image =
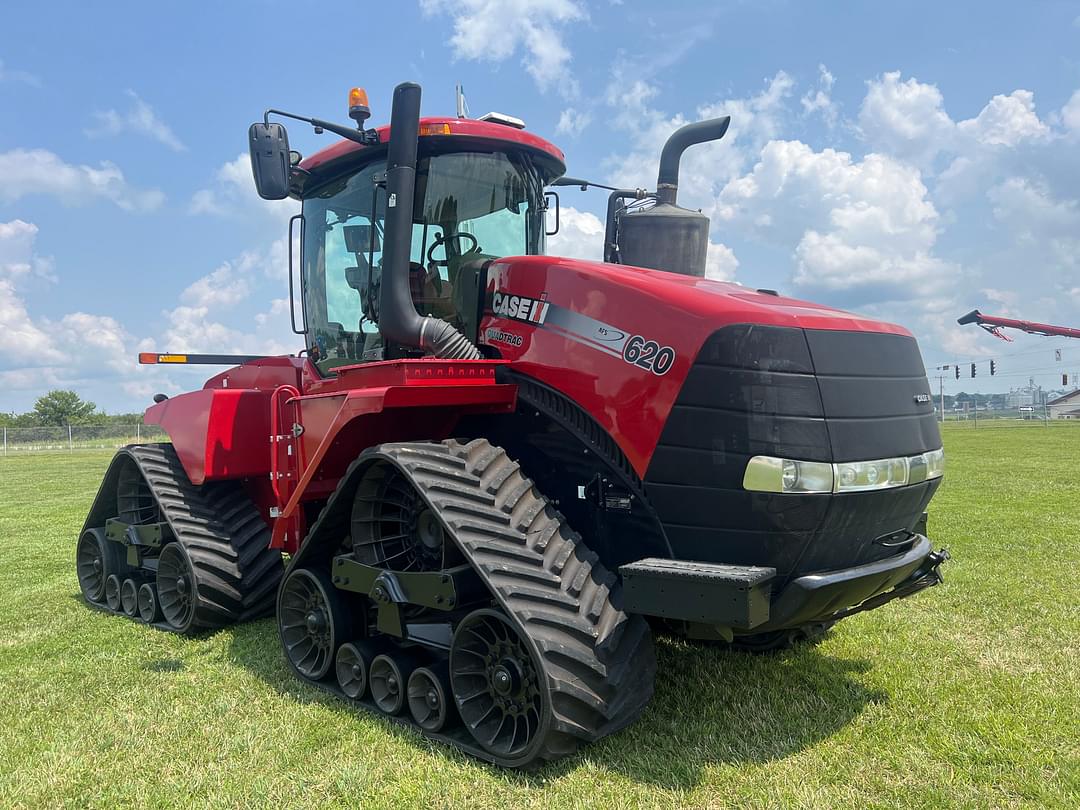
(468, 207)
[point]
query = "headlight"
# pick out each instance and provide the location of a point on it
(769, 474)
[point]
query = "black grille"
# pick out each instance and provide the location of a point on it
(812, 395)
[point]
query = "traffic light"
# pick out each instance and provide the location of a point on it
(993, 368)
(957, 367)
(973, 371)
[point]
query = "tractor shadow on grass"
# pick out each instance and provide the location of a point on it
(716, 706)
(711, 706)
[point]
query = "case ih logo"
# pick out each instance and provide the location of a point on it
(520, 308)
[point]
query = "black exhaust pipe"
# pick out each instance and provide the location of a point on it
(399, 321)
(667, 181)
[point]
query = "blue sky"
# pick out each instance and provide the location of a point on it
(910, 161)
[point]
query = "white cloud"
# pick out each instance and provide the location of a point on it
(16, 246)
(495, 30)
(20, 337)
(1006, 121)
(1048, 229)
(572, 122)
(140, 119)
(205, 321)
(720, 262)
(906, 119)
(580, 236)
(233, 194)
(1070, 113)
(77, 340)
(37, 171)
(820, 100)
(862, 228)
(17, 76)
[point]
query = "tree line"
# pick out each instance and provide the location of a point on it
(60, 408)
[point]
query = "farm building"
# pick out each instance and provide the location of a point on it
(1065, 407)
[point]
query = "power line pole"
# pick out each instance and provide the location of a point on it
(941, 384)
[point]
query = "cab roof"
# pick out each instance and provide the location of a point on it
(465, 128)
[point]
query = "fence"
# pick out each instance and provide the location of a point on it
(1039, 418)
(73, 438)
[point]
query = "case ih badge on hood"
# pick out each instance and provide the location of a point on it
(520, 308)
(636, 350)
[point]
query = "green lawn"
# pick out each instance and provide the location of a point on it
(965, 695)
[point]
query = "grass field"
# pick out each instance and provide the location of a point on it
(966, 695)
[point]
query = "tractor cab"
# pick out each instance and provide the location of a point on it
(478, 194)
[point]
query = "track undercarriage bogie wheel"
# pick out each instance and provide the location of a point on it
(96, 557)
(352, 664)
(498, 685)
(149, 607)
(129, 597)
(312, 620)
(539, 664)
(112, 591)
(430, 697)
(388, 677)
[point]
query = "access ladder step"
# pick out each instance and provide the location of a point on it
(734, 596)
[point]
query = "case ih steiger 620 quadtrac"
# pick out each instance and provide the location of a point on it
(496, 473)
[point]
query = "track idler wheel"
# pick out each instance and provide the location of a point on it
(431, 702)
(129, 597)
(95, 558)
(352, 665)
(312, 622)
(176, 586)
(388, 679)
(149, 608)
(112, 591)
(497, 684)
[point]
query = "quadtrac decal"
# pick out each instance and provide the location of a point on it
(636, 350)
(494, 334)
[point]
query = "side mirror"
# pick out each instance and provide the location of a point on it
(270, 160)
(551, 200)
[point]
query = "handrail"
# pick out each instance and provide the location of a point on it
(276, 436)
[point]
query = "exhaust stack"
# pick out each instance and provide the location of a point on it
(399, 321)
(666, 236)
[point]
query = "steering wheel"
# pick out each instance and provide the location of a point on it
(442, 239)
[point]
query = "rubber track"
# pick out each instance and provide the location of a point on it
(219, 526)
(600, 662)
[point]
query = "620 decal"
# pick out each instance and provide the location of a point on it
(649, 355)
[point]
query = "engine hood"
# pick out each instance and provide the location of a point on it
(714, 301)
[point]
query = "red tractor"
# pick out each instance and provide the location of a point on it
(494, 474)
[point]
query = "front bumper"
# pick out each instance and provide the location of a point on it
(740, 598)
